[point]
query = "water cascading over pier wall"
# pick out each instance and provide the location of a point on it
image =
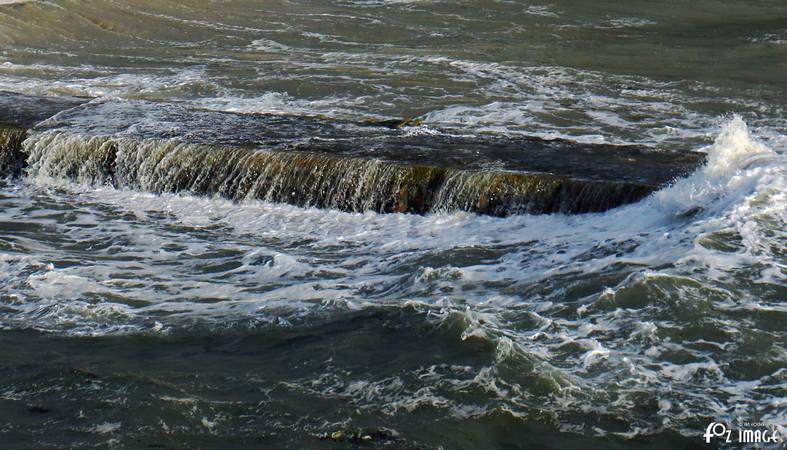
(317, 162)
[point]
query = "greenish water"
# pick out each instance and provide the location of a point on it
(276, 388)
(642, 71)
(134, 320)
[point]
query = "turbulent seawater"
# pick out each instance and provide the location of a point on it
(135, 320)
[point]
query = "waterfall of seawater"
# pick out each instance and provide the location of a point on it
(312, 179)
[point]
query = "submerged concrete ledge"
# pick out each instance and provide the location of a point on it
(313, 161)
(25, 111)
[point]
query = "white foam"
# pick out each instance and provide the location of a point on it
(270, 46)
(105, 428)
(726, 174)
(541, 10)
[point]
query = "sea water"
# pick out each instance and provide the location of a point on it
(132, 320)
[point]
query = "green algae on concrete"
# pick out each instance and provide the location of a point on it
(12, 157)
(313, 179)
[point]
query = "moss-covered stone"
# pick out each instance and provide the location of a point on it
(13, 159)
(417, 189)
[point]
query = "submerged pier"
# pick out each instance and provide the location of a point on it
(320, 162)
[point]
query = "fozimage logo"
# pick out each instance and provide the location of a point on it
(755, 433)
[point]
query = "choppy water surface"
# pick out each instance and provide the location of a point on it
(594, 70)
(130, 319)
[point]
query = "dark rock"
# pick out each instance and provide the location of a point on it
(38, 409)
